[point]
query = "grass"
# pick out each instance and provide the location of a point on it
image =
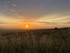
(35, 41)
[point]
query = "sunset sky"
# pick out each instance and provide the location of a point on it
(35, 13)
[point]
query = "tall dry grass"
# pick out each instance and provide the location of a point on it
(38, 41)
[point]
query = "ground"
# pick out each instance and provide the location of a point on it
(35, 41)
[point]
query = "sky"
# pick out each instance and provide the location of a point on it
(35, 13)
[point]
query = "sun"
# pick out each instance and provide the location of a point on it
(27, 26)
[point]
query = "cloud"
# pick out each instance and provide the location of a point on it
(55, 19)
(10, 20)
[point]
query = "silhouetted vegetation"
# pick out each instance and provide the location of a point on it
(35, 41)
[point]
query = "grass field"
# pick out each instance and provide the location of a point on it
(35, 41)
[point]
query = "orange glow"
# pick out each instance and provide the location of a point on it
(27, 26)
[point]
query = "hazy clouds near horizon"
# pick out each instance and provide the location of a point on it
(46, 12)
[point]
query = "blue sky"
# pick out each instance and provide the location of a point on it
(45, 11)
